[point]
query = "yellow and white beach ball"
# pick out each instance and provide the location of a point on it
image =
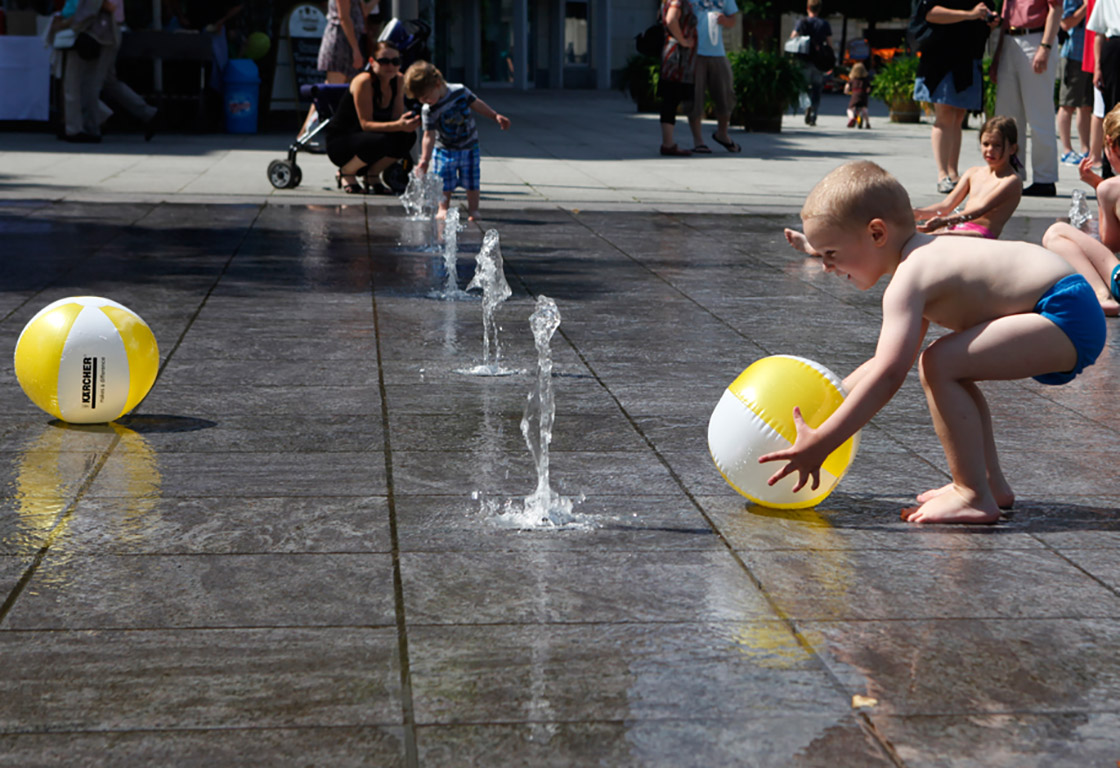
(86, 359)
(755, 417)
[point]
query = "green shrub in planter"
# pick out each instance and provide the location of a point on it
(640, 78)
(766, 83)
(893, 84)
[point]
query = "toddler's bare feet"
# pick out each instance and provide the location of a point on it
(951, 507)
(1004, 497)
(798, 241)
(473, 216)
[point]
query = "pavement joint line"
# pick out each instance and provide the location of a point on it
(209, 291)
(781, 615)
(66, 514)
(408, 710)
(33, 296)
(1076, 565)
(57, 531)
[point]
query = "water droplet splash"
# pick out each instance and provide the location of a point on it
(543, 508)
(451, 229)
(421, 197)
(490, 278)
(1079, 214)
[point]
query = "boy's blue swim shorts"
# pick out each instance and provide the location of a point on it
(1072, 305)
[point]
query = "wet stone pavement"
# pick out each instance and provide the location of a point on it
(289, 554)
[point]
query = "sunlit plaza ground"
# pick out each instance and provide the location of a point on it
(294, 552)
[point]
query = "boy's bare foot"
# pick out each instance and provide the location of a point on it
(798, 241)
(1004, 497)
(473, 216)
(950, 507)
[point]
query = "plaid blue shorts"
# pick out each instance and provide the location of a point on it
(458, 167)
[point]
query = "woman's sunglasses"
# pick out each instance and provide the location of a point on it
(394, 62)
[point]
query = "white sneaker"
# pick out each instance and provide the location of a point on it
(1072, 158)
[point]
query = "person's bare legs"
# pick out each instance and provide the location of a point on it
(1085, 129)
(1091, 258)
(348, 171)
(997, 483)
(1065, 123)
(723, 122)
(1096, 139)
(946, 140)
(668, 140)
(375, 169)
(444, 204)
(472, 204)
(696, 125)
(1012, 347)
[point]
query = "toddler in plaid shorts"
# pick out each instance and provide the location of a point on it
(449, 132)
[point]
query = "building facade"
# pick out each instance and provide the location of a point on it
(523, 44)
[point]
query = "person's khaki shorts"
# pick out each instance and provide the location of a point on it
(713, 73)
(1076, 89)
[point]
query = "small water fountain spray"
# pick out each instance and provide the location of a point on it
(543, 507)
(421, 197)
(451, 230)
(490, 278)
(1079, 215)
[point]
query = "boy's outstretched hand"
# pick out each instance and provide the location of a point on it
(798, 241)
(503, 122)
(801, 458)
(1085, 171)
(933, 224)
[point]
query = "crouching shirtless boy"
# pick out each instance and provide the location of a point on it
(1016, 310)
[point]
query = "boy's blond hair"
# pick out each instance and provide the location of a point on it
(421, 78)
(1111, 126)
(855, 193)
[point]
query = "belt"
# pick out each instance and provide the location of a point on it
(1015, 31)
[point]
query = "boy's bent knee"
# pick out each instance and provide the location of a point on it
(1054, 232)
(935, 362)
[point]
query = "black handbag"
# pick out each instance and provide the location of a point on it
(87, 46)
(650, 42)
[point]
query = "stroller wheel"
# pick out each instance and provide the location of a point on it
(283, 174)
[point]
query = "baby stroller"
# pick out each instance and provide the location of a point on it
(408, 37)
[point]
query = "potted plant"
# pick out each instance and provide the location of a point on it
(766, 83)
(894, 85)
(640, 78)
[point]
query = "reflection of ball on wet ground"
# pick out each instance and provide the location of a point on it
(86, 360)
(755, 417)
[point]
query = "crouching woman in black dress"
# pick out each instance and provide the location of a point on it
(369, 131)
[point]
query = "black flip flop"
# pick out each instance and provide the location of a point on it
(730, 146)
(701, 149)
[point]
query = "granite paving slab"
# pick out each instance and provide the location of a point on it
(302, 547)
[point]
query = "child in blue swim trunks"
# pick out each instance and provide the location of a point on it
(450, 132)
(1096, 259)
(1014, 311)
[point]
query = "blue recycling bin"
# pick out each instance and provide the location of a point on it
(242, 95)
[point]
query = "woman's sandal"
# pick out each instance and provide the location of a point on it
(729, 145)
(351, 187)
